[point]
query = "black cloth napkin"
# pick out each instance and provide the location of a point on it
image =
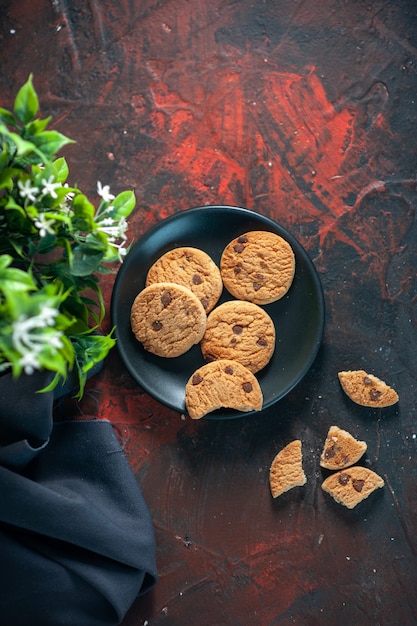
(76, 539)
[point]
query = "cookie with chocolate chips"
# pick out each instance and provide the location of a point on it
(192, 268)
(167, 319)
(222, 384)
(350, 486)
(341, 449)
(241, 331)
(258, 266)
(366, 389)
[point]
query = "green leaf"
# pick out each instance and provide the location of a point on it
(13, 279)
(4, 157)
(53, 360)
(37, 126)
(6, 177)
(5, 260)
(50, 142)
(97, 241)
(46, 244)
(52, 384)
(7, 117)
(26, 104)
(94, 348)
(12, 204)
(61, 170)
(23, 146)
(123, 204)
(84, 211)
(85, 260)
(90, 350)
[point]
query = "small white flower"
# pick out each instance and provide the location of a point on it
(44, 225)
(104, 192)
(70, 195)
(123, 226)
(27, 191)
(29, 362)
(30, 343)
(114, 229)
(55, 341)
(21, 335)
(49, 187)
(48, 315)
(121, 250)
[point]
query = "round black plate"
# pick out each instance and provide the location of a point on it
(298, 316)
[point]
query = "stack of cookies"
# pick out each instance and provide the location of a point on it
(178, 308)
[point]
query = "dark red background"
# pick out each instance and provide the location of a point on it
(305, 112)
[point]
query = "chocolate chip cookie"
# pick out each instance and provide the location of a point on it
(258, 266)
(192, 268)
(241, 331)
(351, 486)
(167, 319)
(222, 384)
(341, 449)
(366, 389)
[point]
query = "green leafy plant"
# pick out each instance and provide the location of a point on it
(54, 244)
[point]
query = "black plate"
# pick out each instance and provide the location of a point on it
(298, 316)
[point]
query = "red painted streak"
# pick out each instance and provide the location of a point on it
(271, 140)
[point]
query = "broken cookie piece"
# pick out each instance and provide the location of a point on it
(286, 470)
(366, 389)
(350, 486)
(341, 449)
(222, 384)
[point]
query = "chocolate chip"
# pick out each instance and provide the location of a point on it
(237, 270)
(367, 380)
(237, 329)
(374, 394)
(262, 342)
(156, 325)
(247, 387)
(256, 286)
(343, 479)
(330, 452)
(209, 358)
(166, 299)
(259, 276)
(238, 247)
(205, 303)
(196, 379)
(358, 484)
(229, 369)
(197, 280)
(243, 239)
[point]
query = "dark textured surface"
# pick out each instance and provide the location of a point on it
(305, 112)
